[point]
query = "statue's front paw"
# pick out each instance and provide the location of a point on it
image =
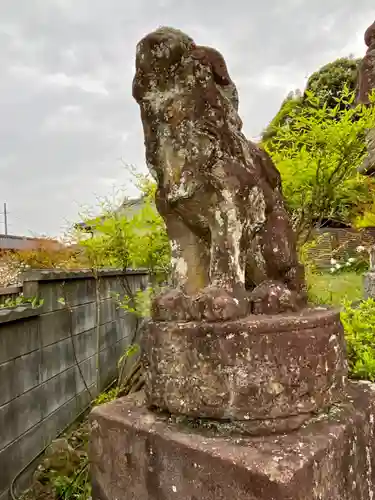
(273, 297)
(219, 304)
(172, 305)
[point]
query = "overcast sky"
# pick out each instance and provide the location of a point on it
(68, 120)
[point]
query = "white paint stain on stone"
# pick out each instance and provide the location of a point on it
(235, 230)
(275, 388)
(157, 99)
(179, 265)
(181, 268)
(219, 219)
(258, 203)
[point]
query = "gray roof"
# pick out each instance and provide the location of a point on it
(14, 242)
(128, 207)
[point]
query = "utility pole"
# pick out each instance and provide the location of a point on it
(5, 219)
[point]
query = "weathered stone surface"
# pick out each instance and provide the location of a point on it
(366, 76)
(137, 454)
(272, 297)
(219, 194)
(369, 285)
(368, 165)
(263, 373)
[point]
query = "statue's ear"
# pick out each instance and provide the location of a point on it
(215, 60)
(219, 69)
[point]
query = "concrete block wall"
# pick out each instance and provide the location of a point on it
(41, 385)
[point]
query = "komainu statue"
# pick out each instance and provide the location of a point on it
(233, 246)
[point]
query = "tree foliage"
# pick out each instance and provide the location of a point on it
(47, 255)
(326, 84)
(124, 241)
(318, 154)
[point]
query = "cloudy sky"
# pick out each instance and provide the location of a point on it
(68, 122)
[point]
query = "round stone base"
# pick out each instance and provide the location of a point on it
(262, 373)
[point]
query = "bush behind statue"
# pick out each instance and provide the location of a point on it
(359, 326)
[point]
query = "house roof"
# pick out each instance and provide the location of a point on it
(127, 207)
(15, 242)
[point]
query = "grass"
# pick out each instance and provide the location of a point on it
(332, 289)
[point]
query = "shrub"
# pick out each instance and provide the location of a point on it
(47, 254)
(349, 264)
(359, 325)
(317, 152)
(126, 241)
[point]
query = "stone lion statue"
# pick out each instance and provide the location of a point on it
(233, 246)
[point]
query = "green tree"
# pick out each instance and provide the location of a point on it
(326, 84)
(318, 154)
(135, 241)
(329, 81)
(289, 107)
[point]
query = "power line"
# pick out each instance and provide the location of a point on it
(5, 219)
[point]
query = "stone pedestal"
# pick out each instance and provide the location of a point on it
(257, 375)
(369, 285)
(138, 454)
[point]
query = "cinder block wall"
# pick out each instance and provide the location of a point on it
(337, 243)
(41, 385)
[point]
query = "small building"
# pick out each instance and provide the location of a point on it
(127, 208)
(9, 242)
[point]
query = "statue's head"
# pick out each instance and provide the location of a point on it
(165, 52)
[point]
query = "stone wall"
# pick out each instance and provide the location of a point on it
(41, 385)
(337, 243)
